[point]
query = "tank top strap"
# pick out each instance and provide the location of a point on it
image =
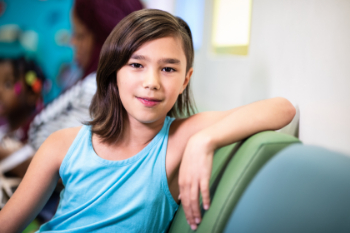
(81, 137)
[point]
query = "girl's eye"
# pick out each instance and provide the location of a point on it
(168, 69)
(136, 65)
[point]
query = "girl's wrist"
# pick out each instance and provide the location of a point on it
(205, 140)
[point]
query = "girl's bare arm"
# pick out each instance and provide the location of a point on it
(209, 131)
(38, 183)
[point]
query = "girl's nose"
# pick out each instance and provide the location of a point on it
(152, 81)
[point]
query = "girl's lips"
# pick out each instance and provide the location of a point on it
(148, 102)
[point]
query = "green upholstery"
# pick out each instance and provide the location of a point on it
(221, 158)
(248, 158)
(302, 189)
(32, 227)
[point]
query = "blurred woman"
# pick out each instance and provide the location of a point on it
(92, 20)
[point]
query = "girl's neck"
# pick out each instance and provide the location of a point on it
(136, 136)
(139, 134)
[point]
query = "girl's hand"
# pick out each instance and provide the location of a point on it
(194, 175)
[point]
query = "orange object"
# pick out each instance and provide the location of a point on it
(37, 86)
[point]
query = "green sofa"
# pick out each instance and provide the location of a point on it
(234, 166)
(303, 189)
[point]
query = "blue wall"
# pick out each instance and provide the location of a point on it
(47, 19)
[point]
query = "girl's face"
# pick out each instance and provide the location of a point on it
(152, 79)
(83, 42)
(9, 100)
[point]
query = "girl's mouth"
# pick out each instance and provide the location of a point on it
(148, 102)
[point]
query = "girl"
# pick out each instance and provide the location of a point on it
(21, 82)
(122, 170)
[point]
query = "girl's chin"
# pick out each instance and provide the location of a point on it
(149, 119)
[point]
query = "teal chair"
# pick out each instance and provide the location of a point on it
(303, 189)
(234, 167)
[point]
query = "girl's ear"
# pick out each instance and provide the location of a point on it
(187, 79)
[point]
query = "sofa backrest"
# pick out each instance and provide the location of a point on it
(302, 189)
(230, 176)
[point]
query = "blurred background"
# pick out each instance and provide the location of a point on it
(245, 51)
(40, 30)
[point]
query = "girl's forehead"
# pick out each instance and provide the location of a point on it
(162, 47)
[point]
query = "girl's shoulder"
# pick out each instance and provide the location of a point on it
(65, 136)
(58, 143)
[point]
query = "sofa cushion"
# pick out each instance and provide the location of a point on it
(302, 189)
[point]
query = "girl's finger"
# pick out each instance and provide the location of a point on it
(195, 202)
(204, 187)
(185, 201)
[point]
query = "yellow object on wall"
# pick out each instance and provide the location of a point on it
(231, 26)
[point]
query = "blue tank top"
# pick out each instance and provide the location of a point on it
(99, 195)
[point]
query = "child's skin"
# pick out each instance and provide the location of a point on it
(12, 106)
(15, 108)
(149, 85)
(8, 99)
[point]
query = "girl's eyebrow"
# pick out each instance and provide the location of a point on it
(139, 57)
(161, 61)
(169, 61)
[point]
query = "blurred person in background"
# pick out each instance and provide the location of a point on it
(21, 82)
(92, 20)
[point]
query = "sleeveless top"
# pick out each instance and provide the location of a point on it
(100, 195)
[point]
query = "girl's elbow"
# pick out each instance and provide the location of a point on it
(288, 110)
(292, 112)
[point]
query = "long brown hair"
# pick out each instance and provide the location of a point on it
(132, 32)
